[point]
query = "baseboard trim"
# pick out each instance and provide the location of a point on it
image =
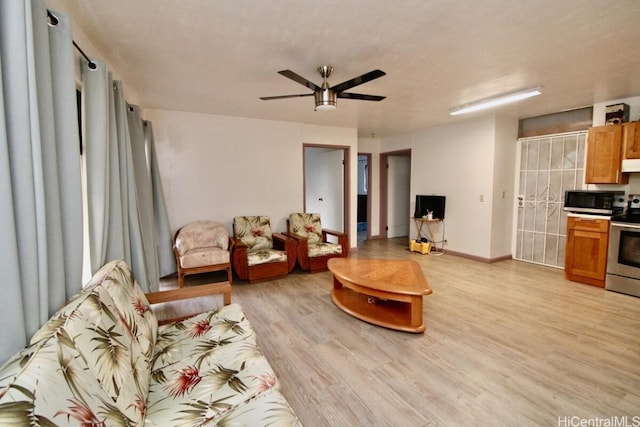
(481, 259)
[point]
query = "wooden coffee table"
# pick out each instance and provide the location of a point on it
(383, 292)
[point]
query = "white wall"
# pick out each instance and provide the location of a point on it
(456, 161)
(470, 163)
(503, 198)
(218, 167)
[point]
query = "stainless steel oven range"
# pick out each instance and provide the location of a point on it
(623, 263)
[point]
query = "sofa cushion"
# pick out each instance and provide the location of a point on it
(268, 409)
(111, 326)
(50, 383)
(130, 302)
(206, 367)
(209, 330)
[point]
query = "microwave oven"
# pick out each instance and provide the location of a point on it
(600, 202)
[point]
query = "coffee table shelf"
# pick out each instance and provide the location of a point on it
(386, 293)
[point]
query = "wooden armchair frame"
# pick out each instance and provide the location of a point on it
(266, 271)
(319, 263)
(179, 294)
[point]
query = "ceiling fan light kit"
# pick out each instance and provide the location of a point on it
(495, 101)
(325, 100)
(326, 96)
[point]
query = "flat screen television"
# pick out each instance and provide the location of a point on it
(426, 204)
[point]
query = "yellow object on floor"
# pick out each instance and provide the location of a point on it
(422, 247)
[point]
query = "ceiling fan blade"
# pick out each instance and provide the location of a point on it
(360, 96)
(297, 78)
(267, 98)
(371, 75)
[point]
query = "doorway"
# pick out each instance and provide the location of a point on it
(326, 184)
(395, 193)
(364, 198)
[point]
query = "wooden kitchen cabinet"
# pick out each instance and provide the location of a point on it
(604, 156)
(586, 251)
(631, 140)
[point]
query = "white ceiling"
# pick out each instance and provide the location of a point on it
(219, 57)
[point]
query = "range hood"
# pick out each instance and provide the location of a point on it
(631, 165)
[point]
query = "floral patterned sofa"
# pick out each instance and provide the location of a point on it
(102, 360)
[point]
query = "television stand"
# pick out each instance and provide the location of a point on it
(430, 232)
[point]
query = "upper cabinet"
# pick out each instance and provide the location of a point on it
(604, 156)
(631, 140)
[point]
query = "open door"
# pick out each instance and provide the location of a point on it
(395, 193)
(364, 197)
(326, 184)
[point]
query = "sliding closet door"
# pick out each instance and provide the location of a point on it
(549, 166)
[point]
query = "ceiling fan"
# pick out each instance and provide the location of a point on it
(325, 95)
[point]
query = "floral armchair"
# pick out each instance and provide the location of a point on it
(202, 247)
(258, 254)
(314, 251)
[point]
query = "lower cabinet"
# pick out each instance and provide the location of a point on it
(586, 252)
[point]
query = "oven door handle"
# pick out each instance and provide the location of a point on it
(625, 225)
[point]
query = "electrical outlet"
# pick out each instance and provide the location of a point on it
(482, 197)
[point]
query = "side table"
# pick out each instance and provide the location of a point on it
(429, 233)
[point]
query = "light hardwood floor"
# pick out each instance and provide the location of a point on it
(508, 343)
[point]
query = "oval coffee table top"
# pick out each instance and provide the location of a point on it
(390, 275)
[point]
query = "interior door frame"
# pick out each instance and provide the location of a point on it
(346, 194)
(384, 187)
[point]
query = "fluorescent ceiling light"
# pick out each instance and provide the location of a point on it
(495, 101)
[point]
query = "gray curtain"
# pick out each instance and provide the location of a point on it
(40, 184)
(164, 240)
(144, 192)
(123, 208)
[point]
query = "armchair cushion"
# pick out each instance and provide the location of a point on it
(309, 225)
(204, 256)
(324, 248)
(202, 236)
(255, 233)
(306, 225)
(265, 255)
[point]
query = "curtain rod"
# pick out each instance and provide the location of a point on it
(54, 21)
